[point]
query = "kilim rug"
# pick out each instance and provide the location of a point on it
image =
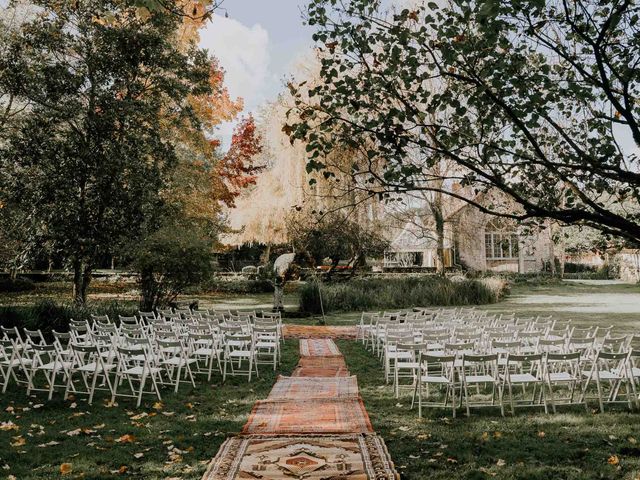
(303, 457)
(319, 347)
(322, 388)
(320, 372)
(322, 362)
(317, 331)
(309, 416)
(313, 426)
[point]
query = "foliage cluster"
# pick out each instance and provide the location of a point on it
(395, 293)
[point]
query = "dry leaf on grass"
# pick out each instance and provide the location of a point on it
(613, 460)
(6, 426)
(66, 468)
(18, 441)
(127, 438)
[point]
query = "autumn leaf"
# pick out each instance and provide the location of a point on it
(66, 468)
(6, 426)
(18, 441)
(158, 406)
(613, 460)
(541, 434)
(500, 463)
(127, 438)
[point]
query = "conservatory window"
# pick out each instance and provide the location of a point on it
(501, 245)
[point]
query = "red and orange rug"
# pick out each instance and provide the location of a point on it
(318, 331)
(313, 426)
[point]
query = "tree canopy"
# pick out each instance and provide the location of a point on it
(538, 100)
(104, 90)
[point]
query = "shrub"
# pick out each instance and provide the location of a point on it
(20, 284)
(170, 261)
(393, 293)
(47, 315)
(237, 286)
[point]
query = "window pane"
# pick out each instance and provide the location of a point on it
(515, 246)
(488, 248)
(497, 248)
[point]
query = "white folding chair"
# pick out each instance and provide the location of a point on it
(614, 370)
(435, 371)
(239, 348)
(267, 345)
(46, 359)
(481, 371)
(91, 364)
(176, 360)
(135, 365)
(524, 370)
(563, 369)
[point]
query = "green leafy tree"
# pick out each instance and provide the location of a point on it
(103, 89)
(538, 100)
(169, 260)
(336, 236)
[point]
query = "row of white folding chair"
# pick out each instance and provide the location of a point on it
(459, 371)
(98, 358)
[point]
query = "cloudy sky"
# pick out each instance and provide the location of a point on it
(257, 45)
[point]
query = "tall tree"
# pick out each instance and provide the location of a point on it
(536, 99)
(105, 89)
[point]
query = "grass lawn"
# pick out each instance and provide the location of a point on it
(179, 438)
(569, 445)
(175, 439)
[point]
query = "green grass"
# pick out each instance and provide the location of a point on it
(193, 421)
(574, 445)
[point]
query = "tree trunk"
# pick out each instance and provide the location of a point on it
(438, 216)
(81, 280)
(147, 291)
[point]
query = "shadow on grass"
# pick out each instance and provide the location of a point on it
(175, 439)
(571, 445)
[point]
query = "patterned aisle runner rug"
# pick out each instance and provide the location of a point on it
(309, 416)
(320, 347)
(321, 367)
(300, 388)
(317, 331)
(344, 457)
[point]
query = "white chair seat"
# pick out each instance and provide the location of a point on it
(434, 379)
(479, 379)
(603, 375)
(179, 362)
(240, 354)
(411, 365)
(15, 362)
(562, 377)
(93, 366)
(139, 369)
(522, 378)
(54, 366)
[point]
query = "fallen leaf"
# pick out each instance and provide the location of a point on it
(541, 434)
(18, 441)
(6, 426)
(138, 455)
(127, 438)
(48, 444)
(613, 460)
(500, 463)
(158, 406)
(66, 468)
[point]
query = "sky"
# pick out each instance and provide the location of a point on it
(257, 45)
